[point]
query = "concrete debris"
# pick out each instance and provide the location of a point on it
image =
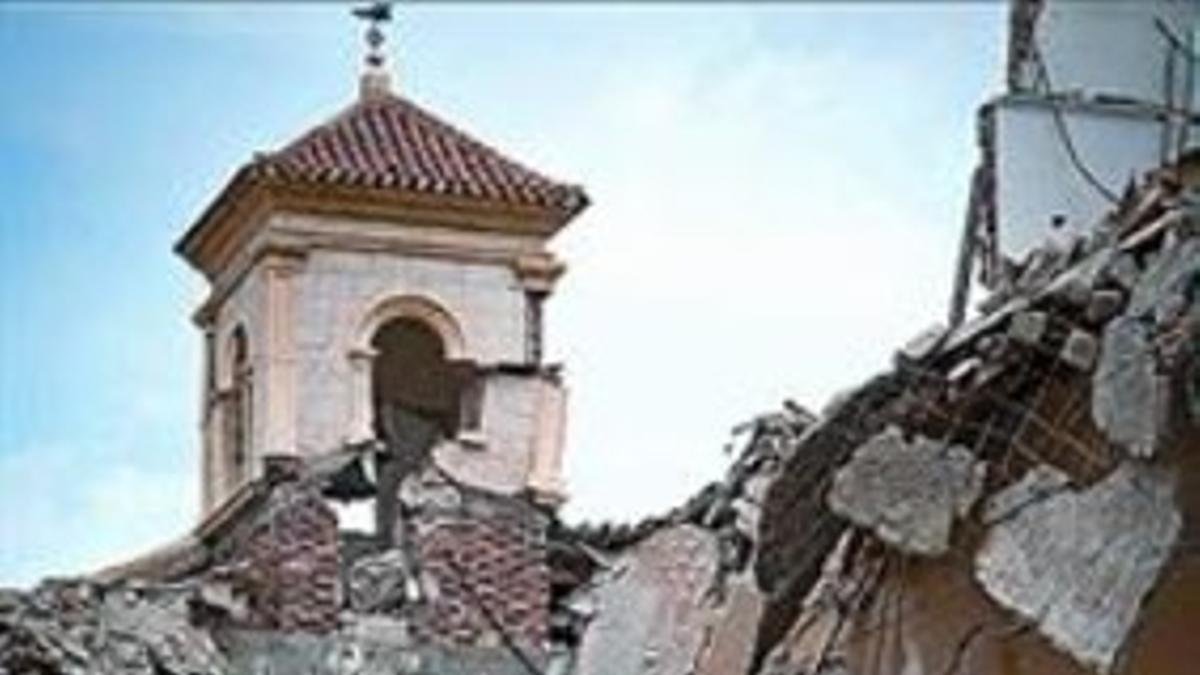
(964, 370)
(1169, 283)
(83, 628)
(1123, 271)
(1127, 392)
(908, 493)
(1080, 350)
(730, 643)
(1028, 327)
(1080, 563)
(829, 545)
(797, 529)
(1104, 304)
(1075, 533)
(1041, 267)
(382, 583)
(653, 612)
(353, 651)
(924, 344)
(1074, 285)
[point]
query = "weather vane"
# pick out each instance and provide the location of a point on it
(375, 14)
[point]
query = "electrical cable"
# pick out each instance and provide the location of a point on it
(1064, 133)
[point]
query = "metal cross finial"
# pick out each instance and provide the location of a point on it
(376, 14)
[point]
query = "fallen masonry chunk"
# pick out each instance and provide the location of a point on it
(1080, 349)
(382, 583)
(1166, 281)
(923, 344)
(1079, 562)
(652, 611)
(1028, 327)
(1127, 397)
(78, 629)
(964, 369)
(1074, 291)
(1104, 305)
(908, 493)
(1122, 270)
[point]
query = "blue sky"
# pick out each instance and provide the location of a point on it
(777, 194)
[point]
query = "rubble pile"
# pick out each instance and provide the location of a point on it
(676, 593)
(1025, 510)
(271, 584)
(79, 627)
(1016, 495)
(1009, 498)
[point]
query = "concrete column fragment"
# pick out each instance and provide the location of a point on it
(907, 493)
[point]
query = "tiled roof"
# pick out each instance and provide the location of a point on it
(388, 142)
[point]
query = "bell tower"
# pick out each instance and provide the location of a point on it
(384, 266)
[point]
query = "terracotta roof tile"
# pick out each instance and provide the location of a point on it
(390, 142)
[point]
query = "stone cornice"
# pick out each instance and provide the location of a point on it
(287, 238)
(247, 202)
(538, 272)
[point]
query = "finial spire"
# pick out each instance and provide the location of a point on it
(374, 81)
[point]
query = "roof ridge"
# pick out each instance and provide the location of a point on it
(389, 141)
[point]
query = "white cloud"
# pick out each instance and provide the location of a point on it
(757, 234)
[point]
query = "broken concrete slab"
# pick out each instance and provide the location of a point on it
(1073, 284)
(1127, 396)
(1079, 563)
(730, 647)
(653, 612)
(983, 325)
(1165, 281)
(907, 493)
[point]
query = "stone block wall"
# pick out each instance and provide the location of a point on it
(483, 570)
(336, 291)
(281, 562)
(502, 463)
(244, 308)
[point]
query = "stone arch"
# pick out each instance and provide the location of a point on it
(233, 351)
(361, 352)
(237, 400)
(416, 307)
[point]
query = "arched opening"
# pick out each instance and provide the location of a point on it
(237, 410)
(411, 373)
(416, 391)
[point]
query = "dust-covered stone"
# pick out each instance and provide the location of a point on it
(907, 493)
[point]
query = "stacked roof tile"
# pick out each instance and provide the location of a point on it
(389, 142)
